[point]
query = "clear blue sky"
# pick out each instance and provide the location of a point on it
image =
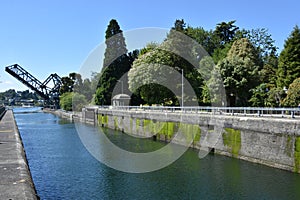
(47, 36)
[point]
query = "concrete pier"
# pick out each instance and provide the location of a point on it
(15, 177)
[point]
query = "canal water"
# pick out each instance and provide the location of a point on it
(63, 169)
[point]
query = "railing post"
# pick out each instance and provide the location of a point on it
(292, 114)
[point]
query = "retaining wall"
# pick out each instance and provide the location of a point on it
(268, 141)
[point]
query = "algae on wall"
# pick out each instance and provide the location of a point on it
(116, 125)
(137, 125)
(297, 155)
(232, 139)
(192, 132)
(102, 119)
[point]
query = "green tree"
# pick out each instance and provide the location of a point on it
(116, 63)
(226, 31)
(239, 71)
(259, 96)
(269, 70)
(175, 52)
(262, 40)
(145, 70)
(65, 101)
(289, 60)
(207, 39)
(275, 97)
(72, 101)
(293, 94)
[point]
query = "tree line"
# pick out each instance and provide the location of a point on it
(244, 62)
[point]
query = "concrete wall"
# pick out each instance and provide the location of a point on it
(15, 177)
(268, 141)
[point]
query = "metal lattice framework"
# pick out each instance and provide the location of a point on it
(47, 92)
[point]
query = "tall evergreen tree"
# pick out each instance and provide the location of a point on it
(115, 43)
(115, 64)
(289, 60)
(226, 31)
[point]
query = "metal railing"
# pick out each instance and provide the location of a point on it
(234, 111)
(2, 111)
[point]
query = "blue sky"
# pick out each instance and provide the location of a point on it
(56, 36)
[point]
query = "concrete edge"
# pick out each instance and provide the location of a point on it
(18, 182)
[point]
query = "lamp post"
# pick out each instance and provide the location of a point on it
(121, 86)
(182, 91)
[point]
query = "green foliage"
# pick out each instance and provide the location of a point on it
(79, 101)
(239, 71)
(71, 101)
(221, 53)
(226, 31)
(269, 70)
(259, 96)
(115, 43)
(275, 97)
(293, 94)
(66, 101)
(154, 74)
(67, 84)
(289, 60)
(116, 63)
(207, 39)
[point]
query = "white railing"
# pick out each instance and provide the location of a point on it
(238, 111)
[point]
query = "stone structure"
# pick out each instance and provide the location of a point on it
(270, 141)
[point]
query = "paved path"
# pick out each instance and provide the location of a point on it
(15, 178)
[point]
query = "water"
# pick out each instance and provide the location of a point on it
(63, 169)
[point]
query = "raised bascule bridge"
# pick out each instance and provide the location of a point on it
(48, 90)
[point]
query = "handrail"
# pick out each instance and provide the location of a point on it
(2, 111)
(240, 111)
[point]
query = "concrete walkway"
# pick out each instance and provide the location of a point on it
(15, 178)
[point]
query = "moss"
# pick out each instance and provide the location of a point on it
(170, 129)
(137, 125)
(197, 133)
(232, 139)
(102, 119)
(162, 128)
(131, 125)
(116, 125)
(105, 119)
(297, 155)
(99, 119)
(147, 125)
(191, 132)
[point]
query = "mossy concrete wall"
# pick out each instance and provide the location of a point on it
(268, 141)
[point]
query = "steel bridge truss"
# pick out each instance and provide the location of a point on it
(48, 90)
